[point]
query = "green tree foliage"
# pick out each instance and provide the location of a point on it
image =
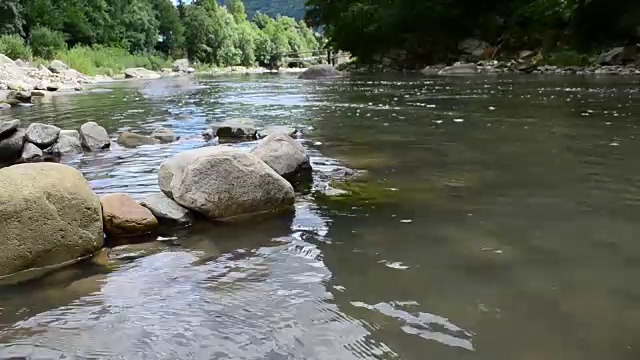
(202, 29)
(46, 42)
(429, 30)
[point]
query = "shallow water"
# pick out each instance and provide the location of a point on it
(498, 220)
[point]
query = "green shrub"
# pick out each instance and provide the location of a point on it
(108, 60)
(45, 42)
(14, 47)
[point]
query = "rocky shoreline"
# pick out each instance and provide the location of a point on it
(55, 219)
(516, 67)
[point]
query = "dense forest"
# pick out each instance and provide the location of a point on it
(273, 8)
(416, 33)
(203, 30)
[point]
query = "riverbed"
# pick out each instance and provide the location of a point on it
(498, 219)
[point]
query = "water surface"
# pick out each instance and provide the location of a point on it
(497, 220)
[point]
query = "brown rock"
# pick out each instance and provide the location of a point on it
(123, 216)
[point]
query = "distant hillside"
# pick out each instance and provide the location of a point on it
(292, 8)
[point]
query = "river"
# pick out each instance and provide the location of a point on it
(498, 219)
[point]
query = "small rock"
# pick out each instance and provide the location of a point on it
(164, 135)
(4, 106)
(526, 54)
(243, 128)
(11, 147)
(167, 210)
(123, 216)
(57, 66)
(284, 155)
(191, 70)
(21, 96)
(31, 152)
(20, 63)
(44, 71)
(8, 127)
(132, 140)
(526, 67)
(53, 87)
(38, 93)
(208, 134)
(94, 137)
(42, 135)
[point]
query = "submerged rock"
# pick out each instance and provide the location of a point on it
(42, 135)
(11, 147)
(286, 156)
(124, 217)
(94, 137)
(243, 128)
(164, 135)
(132, 140)
(68, 142)
(141, 73)
(320, 72)
(459, 69)
(8, 127)
(223, 182)
(49, 215)
(167, 210)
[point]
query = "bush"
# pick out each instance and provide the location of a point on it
(14, 47)
(45, 42)
(108, 60)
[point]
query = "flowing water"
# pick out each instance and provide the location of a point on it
(498, 220)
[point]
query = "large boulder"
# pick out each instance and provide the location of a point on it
(11, 147)
(164, 135)
(473, 47)
(5, 60)
(278, 129)
(618, 56)
(132, 140)
(141, 73)
(286, 156)
(8, 127)
(460, 69)
(167, 210)
(68, 142)
(42, 135)
(223, 182)
(124, 217)
(94, 137)
(181, 65)
(320, 72)
(243, 128)
(57, 67)
(49, 215)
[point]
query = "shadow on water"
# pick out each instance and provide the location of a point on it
(495, 220)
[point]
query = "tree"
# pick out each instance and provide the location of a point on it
(170, 27)
(11, 19)
(236, 8)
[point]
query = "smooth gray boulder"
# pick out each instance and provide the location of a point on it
(460, 69)
(68, 142)
(223, 182)
(31, 152)
(132, 140)
(11, 147)
(42, 135)
(164, 135)
(286, 156)
(94, 137)
(278, 129)
(167, 210)
(57, 67)
(181, 65)
(320, 72)
(8, 127)
(49, 216)
(473, 47)
(141, 73)
(242, 128)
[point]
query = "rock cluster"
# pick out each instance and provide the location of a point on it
(43, 142)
